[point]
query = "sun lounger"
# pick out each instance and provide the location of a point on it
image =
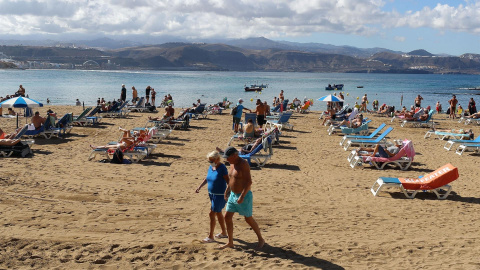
(257, 155)
(20, 148)
(47, 130)
(448, 145)
(363, 137)
(441, 135)
(366, 143)
(436, 182)
(361, 130)
(282, 121)
(403, 159)
(426, 122)
(466, 147)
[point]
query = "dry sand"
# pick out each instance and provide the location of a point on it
(59, 210)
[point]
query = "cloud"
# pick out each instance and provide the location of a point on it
(197, 19)
(400, 39)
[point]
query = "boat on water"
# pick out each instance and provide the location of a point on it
(255, 87)
(474, 88)
(334, 87)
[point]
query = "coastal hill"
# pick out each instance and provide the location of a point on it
(260, 55)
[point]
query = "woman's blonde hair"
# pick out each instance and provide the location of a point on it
(213, 155)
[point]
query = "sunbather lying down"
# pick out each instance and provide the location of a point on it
(126, 142)
(457, 131)
(378, 151)
(9, 142)
(246, 149)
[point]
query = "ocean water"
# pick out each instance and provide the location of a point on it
(63, 87)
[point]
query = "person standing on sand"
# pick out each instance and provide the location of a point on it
(260, 112)
(123, 94)
(134, 94)
(363, 108)
(154, 93)
(147, 95)
(217, 179)
(281, 97)
(238, 116)
(239, 196)
(418, 101)
(453, 106)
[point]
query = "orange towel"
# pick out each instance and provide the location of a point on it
(433, 180)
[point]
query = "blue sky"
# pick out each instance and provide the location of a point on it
(450, 27)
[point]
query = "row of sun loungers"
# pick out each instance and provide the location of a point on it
(436, 182)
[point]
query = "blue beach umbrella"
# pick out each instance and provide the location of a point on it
(330, 98)
(20, 102)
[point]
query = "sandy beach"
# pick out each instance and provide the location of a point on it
(59, 211)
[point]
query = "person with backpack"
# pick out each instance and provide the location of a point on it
(237, 112)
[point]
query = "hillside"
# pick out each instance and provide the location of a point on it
(216, 56)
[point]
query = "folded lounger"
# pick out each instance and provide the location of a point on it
(436, 182)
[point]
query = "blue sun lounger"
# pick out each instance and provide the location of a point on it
(450, 143)
(365, 143)
(363, 137)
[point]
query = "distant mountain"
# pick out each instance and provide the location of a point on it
(217, 56)
(420, 53)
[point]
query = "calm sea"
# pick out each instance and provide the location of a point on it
(63, 87)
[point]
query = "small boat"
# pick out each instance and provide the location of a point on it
(334, 87)
(255, 87)
(360, 86)
(474, 88)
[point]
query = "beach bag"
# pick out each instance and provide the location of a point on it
(234, 110)
(117, 157)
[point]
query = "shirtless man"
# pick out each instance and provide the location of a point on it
(364, 103)
(37, 120)
(281, 97)
(239, 196)
(260, 111)
(453, 106)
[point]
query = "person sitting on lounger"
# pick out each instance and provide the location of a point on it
(126, 142)
(38, 121)
(246, 149)
(4, 135)
(355, 123)
(249, 130)
(378, 151)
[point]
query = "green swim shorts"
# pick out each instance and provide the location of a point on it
(245, 208)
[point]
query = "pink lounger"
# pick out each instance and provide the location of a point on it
(436, 182)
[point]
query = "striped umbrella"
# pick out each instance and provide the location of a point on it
(330, 98)
(20, 102)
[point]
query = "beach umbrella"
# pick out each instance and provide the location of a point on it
(330, 98)
(20, 102)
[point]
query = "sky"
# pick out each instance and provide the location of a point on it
(448, 27)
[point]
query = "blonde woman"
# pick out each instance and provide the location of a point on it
(217, 179)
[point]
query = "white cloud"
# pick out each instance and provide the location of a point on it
(400, 39)
(226, 18)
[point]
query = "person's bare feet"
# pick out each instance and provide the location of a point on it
(227, 245)
(260, 244)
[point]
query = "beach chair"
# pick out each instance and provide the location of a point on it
(278, 108)
(77, 119)
(120, 111)
(427, 122)
(441, 135)
(363, 137)
(91, 118)
(138, 106)
(472, 120)
(361, 130)
(199, 112)
(305, 107)
(65, 123)
(448, 145)
(47, 130)
(436, 182)
(20, 148)
(403, 159)
(257, 155)
(367, 143)
(281, 122)
(467, 147)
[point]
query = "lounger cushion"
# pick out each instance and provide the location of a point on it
(436, 179)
